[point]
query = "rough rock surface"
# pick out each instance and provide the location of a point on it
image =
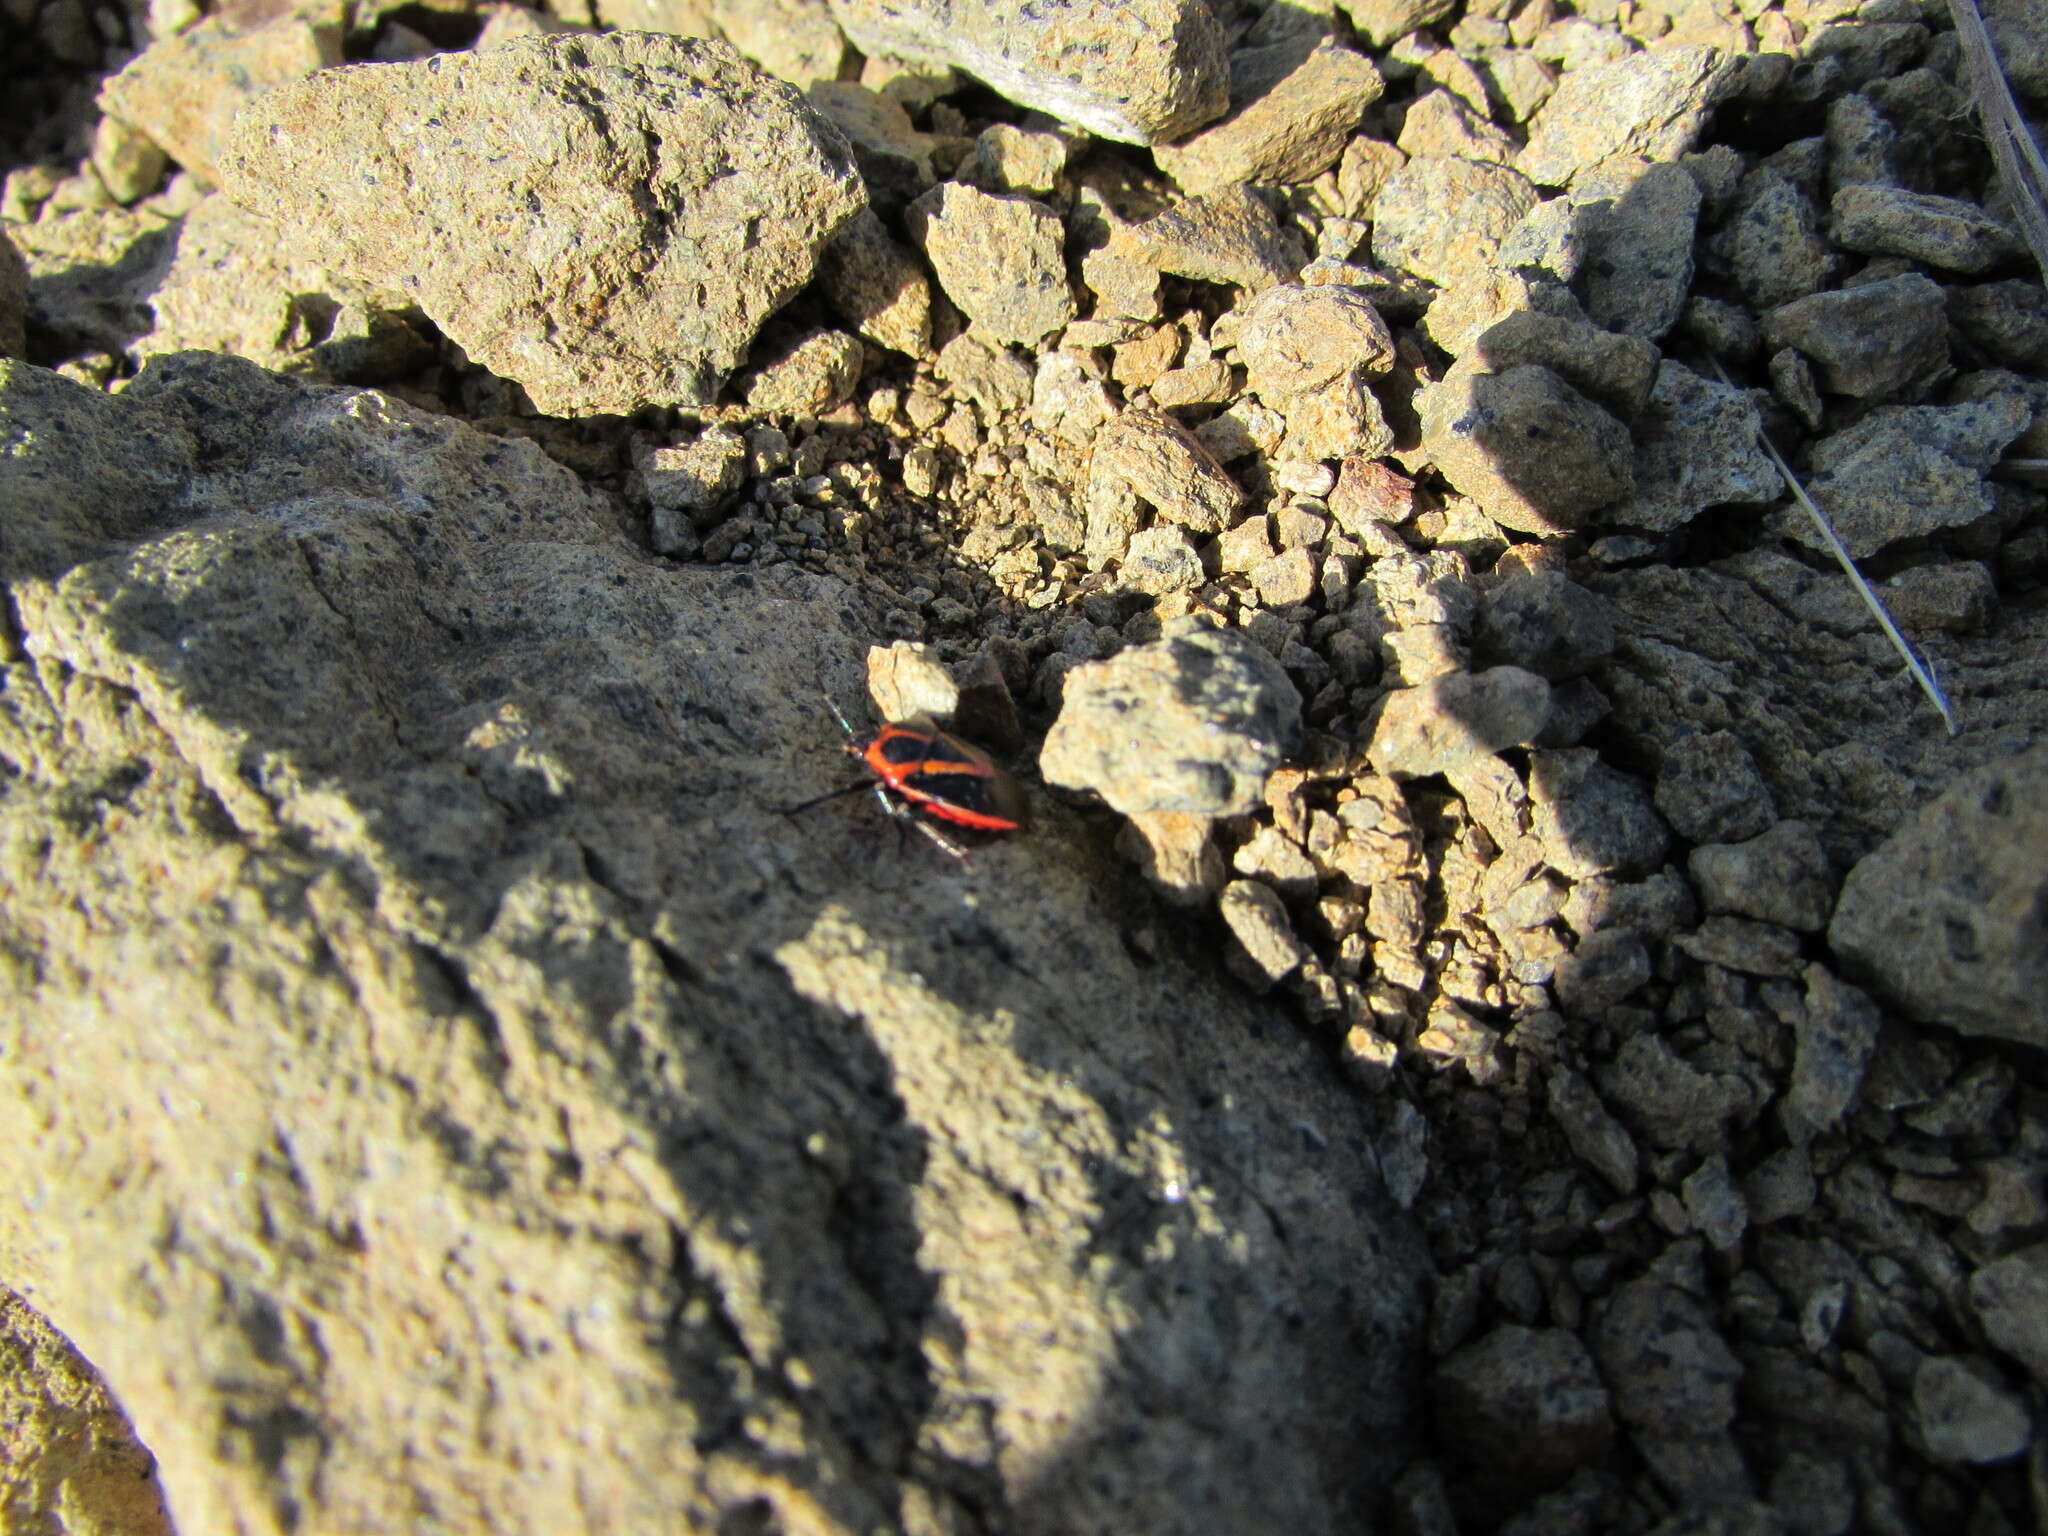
(605, 221)
(1948, 918)
(399, 767)
(1138, 71)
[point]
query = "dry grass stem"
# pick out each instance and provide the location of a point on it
(2018, 157)
(1923, 672)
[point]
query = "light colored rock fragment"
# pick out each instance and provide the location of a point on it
(1226, 237)
(1442, 723)
(1943, 232)
(1697, 445)
(1648, 105)
(183, 91)
(998, 258)
(1290, 132)
(1137, 71)
(1532, 451)
(878, 286)
(603, 259)
(1441, 217)
(1966, 1415)
(1149, 455)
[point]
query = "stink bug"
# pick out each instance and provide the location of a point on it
(919, 768)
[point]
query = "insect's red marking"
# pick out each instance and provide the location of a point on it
(934, 772)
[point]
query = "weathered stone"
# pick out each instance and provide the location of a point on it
(1425, 730)
(1531, 450)
(998, 258)
(1440, 217)
(895, 160)
(1267, 947)
(1382, 21)
(2009, 320)
(812, 377)
(1617, 371)
(1697, 445)
(1525, 1405)
(1836, 1034)
(183, 90)
(1138, 71)
(1648, 105)
(1606, 968)
(1666, 1099)
(1593, 819)
(1945, 921)
(1905, 471)
(553, 205)
(1779, 877)
(1772, 241)
(1152, 457)
(1940, 231)
(1226, 237)
(1966, 1414)
(1294, 339)
(878, 286)
(1873, 341)
(1596, 1137)
(1638, 241)
(2011, 1298)
(1291, 131)
(1674, 1389)
(1191, 723)
(1546, 623)
(379, 757)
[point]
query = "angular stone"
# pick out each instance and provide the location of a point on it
(1606, 968)
(1596, 1137)
(817, 374)
(895, 159)
(1874, 341)
(1526, 1404)
(1617, 371)
(1296, 339)
(1948, 919)
(1638, 265)
(1711, 791)
(1648, 105)
(1943, 232)
(1137, 71)
(1291, 131)
(1458, 716)
(1257, 919)
(1440, 217)
(1593, 819)
(2011, 1298)
(1836, 1034)
(183, 90)
(1697, 445)
(1675, 1384)
(552, 203)
(1193, 722)
(998, 258)
(1149, 455)
(1966, 1415)
(1227, 237)
(878, 286)
(1905, 471)
(1545, 623)
(1383, 21)
(1780, 877)
(1772, 241)
(1532, 451)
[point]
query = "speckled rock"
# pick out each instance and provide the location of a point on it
(998, 258)
(1874, 341)
(1593, 819)
(2011, 1298)
(1455, 717)
(878, 286)
(1638, 238)
(1966, 1414)
(1948, 920)
(1649, 105)
(1190, 723)
(1908, 470)
(1532, 451)
(1545, 623)
(1674, 1382)
(1772, 241)
(597, 257)
(1292, 130)
(1780, 876)
(1382, 21)
(183, 90)
(1138, 71)
(1940, 231)
(1710, 791)
(1440, 217)
(1696, 446)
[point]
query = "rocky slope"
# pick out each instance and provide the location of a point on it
(1513, 1012)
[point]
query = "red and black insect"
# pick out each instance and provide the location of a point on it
(920, 770)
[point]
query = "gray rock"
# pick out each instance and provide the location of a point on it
(454, 179)
(1532, 451)
(2011, 1299)
(1456, 717)
(2009, 320)
(878, 286)
(1696, 446)
(1674, 1389)
(1715, 1206)
(998, 258)
(1836, 1034)
(1780, 1187)
(1940, 231)
(1862, 144)
(1873, 341)
(1546, 623)
(1779, 877)
(1593, 819)
(1526, 1405)
(1161, 559)
(1439, 123)
(1193, 722)
(1948, 920)
(1137, 71)
(433, 817)
(1606, 968)
(895, 160)
(1966, 1415)
(1772, 242)
(1441, 217)
(1637, 269)
(1905, 471)
(1153, 458)
(1743, 944)
(1667, 1100)
(1267, 949)
(1596, 1137)
(1648, 105)
(1617, 371)
(1292, 130)
(1225, 237)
